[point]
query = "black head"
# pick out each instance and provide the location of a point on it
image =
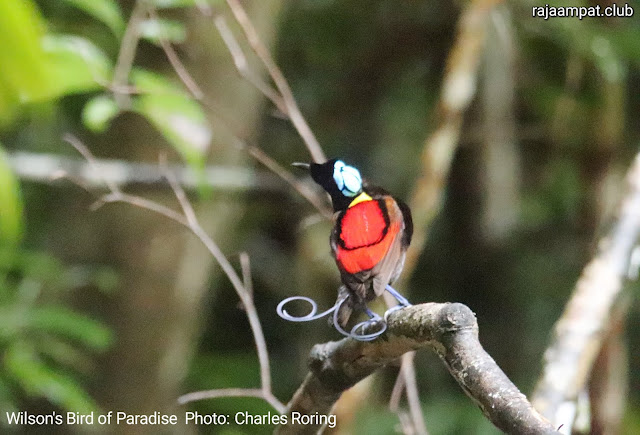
(342, 182)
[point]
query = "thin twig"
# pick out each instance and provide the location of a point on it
(245, 266)
(396, 393)
(179, 193)
(292, 109)
(302, 188)
(175, 61)
(243, 294)
(409, 386)
(240, 61)
(142, 203)
(127, 53)
(189, 220)
(84, 151)
(215, 394)
(405, 423)
(413, 397)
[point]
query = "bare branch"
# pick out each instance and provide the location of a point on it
(82, 149)
(302, 188)
(187, 209)
(216, 394)
(127, 54)
(292, 109)
(175, 61)
(240, 61)
(245, 266)
(142, 203)
(586, 320)
(243, 294)
(396, 393)
(451, 330)
(413, 398)
(45, 168)
(458, 90)
(241, 64)
(414, 418)
(189, 220)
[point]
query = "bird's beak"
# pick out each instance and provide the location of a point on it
(301, 165)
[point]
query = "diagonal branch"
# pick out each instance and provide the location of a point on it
(175, 61)
(451, 330)
(242, 65)
(189, 219)
(291, 106)
(586, 320)
(127, 54)
(458, 91)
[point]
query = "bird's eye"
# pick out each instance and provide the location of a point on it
(347, 178)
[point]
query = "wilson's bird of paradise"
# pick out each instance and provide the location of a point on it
(371, 233)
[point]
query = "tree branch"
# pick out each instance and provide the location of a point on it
(586, 320)
(44, 168)
(189, 220)
(458, 91)
(127, 54)
(290, 104)
(451, 330)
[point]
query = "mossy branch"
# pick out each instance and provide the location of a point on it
(451, 330)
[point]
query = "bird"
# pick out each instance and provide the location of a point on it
(371, 233)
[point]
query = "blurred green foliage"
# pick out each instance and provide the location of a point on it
(11, 225)
(106, 11)
(44, 344)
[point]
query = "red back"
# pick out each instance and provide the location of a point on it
(365, 236)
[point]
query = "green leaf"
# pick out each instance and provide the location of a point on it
(75, 64)
(23, 69)
(38, 379)
(11, 223)
(106, 11)
(37, 265)
(147, 82)
(66, 323)
(181, 121)
(156, 30)
(177, 116)
(17, 320)
(98, 113)
(8, 402)
(64, 354)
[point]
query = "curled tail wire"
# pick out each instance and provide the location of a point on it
(360, 330)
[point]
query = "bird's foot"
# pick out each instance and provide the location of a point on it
(363, 327)
(403, 302)
(360, 330)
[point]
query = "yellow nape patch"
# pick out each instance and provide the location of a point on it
(360, 198)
